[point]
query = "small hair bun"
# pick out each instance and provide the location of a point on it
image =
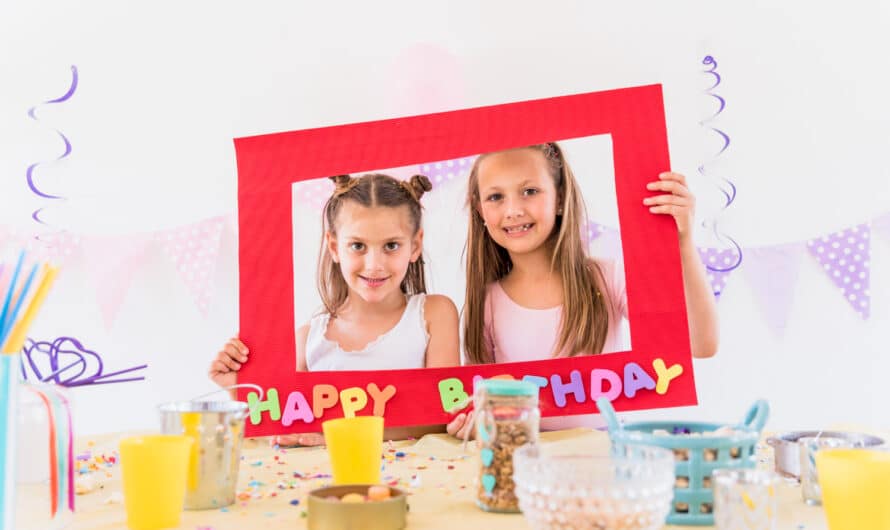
(420, 184)
(341, 181)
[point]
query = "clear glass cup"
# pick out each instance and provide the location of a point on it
(745, 499)
(626, 489)
(808, 446)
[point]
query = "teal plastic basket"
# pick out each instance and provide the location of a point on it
(696, 456)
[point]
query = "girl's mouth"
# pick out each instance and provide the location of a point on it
(373, 282)
(518, 230)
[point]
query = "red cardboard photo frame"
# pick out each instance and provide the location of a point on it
(656, 373)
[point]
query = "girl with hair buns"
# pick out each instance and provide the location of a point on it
(533, 292)
(376, 314)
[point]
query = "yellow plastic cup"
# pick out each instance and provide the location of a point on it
(154, 469)
(355, 446)
(855, 492)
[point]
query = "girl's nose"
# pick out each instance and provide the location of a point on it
(374, 259)
(514, 208)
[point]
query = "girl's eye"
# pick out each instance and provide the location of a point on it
(391, 246)
(357, 247)
(531, 191)
(494, 197)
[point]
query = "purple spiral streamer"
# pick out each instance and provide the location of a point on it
(66, 363)
(727, 188)
(29, 173)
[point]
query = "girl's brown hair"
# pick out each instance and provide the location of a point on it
(373, 189)
(585, 319)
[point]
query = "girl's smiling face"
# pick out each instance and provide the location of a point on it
(374, 246)
(517, 199)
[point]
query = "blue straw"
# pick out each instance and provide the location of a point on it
(5, 310)
(5, 327)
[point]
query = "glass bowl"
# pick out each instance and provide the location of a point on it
(623, 489)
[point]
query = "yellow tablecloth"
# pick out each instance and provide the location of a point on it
(434, 469)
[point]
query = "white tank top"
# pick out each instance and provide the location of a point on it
(403, 346)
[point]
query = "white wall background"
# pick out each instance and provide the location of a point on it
(165, 86)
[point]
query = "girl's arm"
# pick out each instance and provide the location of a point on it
(701, 308)
(442, 324)
(302, 335)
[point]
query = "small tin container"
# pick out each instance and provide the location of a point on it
(787, 451)
(330, 514)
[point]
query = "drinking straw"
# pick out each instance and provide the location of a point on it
(16, 339)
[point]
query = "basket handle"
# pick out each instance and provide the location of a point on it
(756, 416)
(608, 412)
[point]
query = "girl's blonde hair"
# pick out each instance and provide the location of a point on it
(585, 319)
(371, 190)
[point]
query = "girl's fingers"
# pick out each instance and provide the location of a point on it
(236, 342)
(670, 175)
(676, 200)
(224, 358)
(455, 426)
(233, 352)
(669, 209)
(310, 439)
(670, 186)
(217, 367)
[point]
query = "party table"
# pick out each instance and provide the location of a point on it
(435, 470)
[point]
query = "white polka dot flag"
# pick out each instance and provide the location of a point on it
(602, 241)
(844, 257)
(881, 225)
(719, 264)
(447, 170)
(194, 250)
(592, 231)
(58, 248)
(313, 193)
(113, 263)
(772, 274)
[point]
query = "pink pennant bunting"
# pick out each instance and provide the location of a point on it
(58, 247)
(313, 193)
(719, 264)
(194, 250)
(772, 274)
(845, 258)
(114, 262)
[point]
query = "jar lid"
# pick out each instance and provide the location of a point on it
(509, 387)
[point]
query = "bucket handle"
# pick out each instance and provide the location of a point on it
(258, 388)
(608, 412)
(756, 416)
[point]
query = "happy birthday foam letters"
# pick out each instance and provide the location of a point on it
(324, 396)
(602, 383)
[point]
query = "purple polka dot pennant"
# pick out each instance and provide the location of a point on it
(592, 231)
(447, 170)
(845, 258)
(719, 264)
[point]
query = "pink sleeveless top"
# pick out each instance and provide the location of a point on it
(516, 333)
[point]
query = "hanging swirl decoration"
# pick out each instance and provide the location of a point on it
(726, 186)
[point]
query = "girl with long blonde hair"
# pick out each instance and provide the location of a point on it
(532, 290)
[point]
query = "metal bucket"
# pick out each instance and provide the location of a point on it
(218, 430)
